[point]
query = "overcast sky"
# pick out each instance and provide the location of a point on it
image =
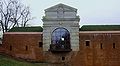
(91, 12)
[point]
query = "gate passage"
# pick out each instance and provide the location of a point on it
(60, 40)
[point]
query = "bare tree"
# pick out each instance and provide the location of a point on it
(13, 14)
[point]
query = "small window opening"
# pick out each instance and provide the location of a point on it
(26, 48)
(114, 45)
(10, 48)
(63, 58)
(101, 46)
(87, 43)
(40, 44)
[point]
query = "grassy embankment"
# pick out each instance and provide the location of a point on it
(6, 61)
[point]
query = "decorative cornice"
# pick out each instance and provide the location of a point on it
(65, 8)
(61, 19)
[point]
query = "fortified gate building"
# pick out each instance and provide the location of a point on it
(61, 41)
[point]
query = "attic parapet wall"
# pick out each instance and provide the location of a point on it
(23, 33)
(79, 32)
(82, 32)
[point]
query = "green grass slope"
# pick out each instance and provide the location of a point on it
(100, 28)
(6, 61)
(26, 29)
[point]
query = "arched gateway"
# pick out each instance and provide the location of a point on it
(60, 40)
(60, 33)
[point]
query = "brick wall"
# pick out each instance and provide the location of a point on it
(103, 50)
(24, 45)
(96, 49)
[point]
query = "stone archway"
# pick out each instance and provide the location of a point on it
(60, 40)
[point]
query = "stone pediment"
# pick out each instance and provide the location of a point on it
(62, 7)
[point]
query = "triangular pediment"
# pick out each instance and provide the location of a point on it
(59, 6)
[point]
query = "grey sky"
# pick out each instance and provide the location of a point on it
(90, 11)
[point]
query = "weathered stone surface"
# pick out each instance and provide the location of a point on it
(53, 20)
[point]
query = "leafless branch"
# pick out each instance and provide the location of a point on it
(13, 13)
